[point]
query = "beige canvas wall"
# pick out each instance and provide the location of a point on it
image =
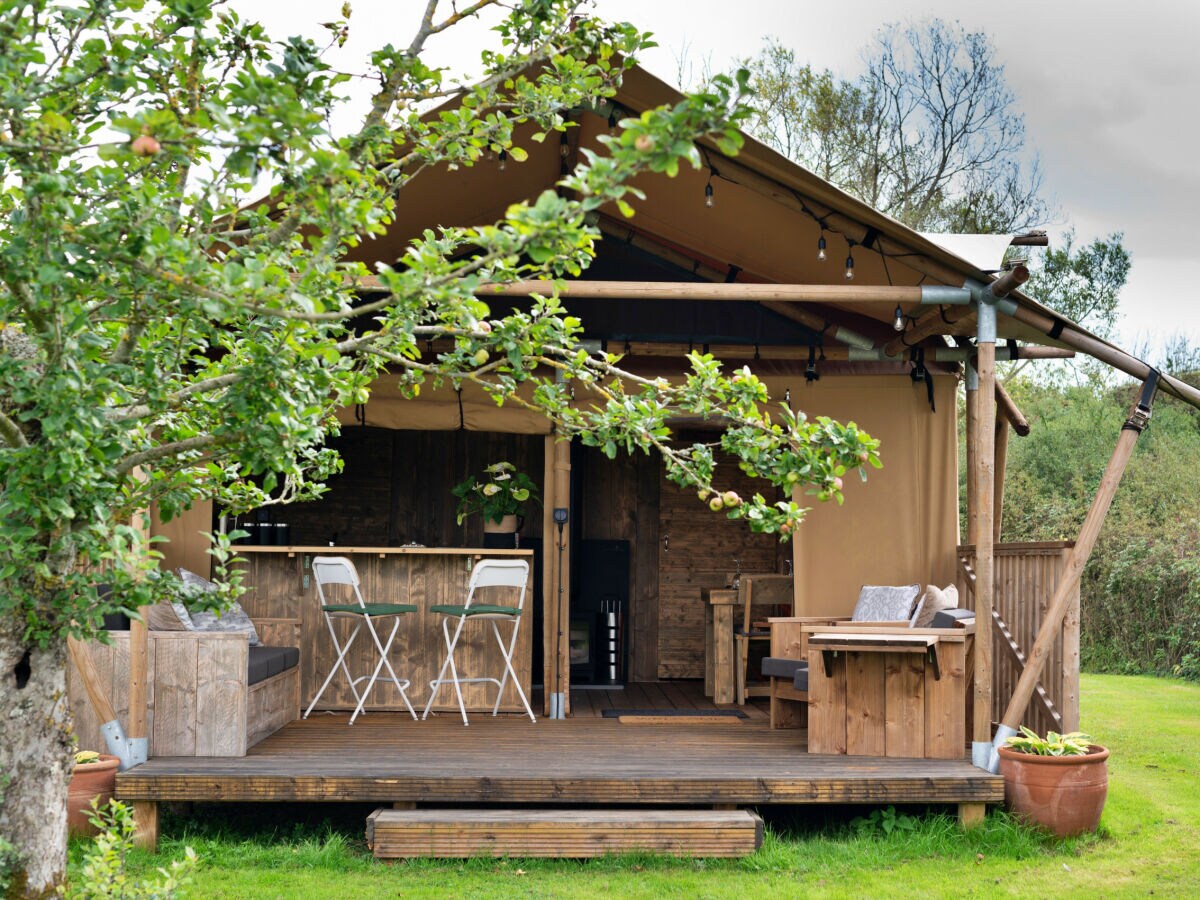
(901, 525)
(186, 545)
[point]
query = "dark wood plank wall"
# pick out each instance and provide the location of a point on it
(698, 550)
(618, 500)
(395, 488)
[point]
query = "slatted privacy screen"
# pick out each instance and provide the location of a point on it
(1026, 577)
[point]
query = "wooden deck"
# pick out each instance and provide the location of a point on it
(587, 759)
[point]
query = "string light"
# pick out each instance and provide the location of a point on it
(850, 262)
(821, 257)
(502, 160)
(708, 190)
(898, 324)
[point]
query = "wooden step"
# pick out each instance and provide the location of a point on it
(569, 833)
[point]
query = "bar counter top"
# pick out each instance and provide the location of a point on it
(346, 549)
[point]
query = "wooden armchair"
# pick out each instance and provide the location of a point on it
(759, 598)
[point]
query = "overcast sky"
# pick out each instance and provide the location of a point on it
(1109, 90)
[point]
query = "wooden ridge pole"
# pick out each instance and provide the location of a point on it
(704, 290)
(1035, 662)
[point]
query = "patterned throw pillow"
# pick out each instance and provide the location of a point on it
(232, 619)
(885, 603)
(933, 602)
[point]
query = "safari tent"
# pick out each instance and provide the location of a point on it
(630, 598)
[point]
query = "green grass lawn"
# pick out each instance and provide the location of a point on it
(1149, 839)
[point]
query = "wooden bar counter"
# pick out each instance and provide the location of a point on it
(280, 586)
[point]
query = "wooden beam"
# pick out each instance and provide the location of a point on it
(1008, 409)
(1060, 603)
(703, 290)
(985, 585)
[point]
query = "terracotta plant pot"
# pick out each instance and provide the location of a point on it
(507, 525)
(1064, 794)
(88, 780)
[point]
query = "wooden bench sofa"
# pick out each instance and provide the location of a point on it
(209, 693)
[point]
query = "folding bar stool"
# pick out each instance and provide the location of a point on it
(329, 570)
(486, 574)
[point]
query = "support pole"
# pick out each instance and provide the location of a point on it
(983, 474)
(549, 576)
(139, 653)
(972, 404)
(562, 616)
(1139, 417)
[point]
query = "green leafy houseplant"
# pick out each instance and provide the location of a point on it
(1076, 743)
(500, 491)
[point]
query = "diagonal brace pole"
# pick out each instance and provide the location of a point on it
(1138, 419)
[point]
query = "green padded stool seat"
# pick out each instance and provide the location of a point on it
(479, 609)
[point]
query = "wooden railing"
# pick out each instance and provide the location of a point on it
(1026, 575)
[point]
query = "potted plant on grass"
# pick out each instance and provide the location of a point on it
(1059, 782)
(94, 777)
(499, 495)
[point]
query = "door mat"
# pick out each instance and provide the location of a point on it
(673, 714)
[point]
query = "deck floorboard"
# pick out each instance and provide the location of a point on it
(387, 757)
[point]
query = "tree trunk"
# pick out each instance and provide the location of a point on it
(36, 744)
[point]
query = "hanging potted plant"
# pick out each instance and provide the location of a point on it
(94, 777)
(499, 495)
(1059, 782)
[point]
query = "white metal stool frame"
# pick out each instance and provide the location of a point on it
(340, 570)
(487, 573)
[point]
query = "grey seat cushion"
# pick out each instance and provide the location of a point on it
(946, 618)
(781, 667)
(267, 662)
(800, 680)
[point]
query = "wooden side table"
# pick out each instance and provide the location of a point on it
(718, 643)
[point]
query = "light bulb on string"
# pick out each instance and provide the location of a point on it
(898, 324)
(821, 257)
(502, 160)
(708, 191)
(850, 267)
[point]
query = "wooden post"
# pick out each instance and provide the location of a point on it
(562, 616)
(145, 823)
(1001, 465)
(1060, 604)
(984, 475)
(549, 573)
(138, 732)
(972, 404)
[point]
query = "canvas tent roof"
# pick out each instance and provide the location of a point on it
(768, 215)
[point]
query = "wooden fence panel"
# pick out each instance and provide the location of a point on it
(1026, 576)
